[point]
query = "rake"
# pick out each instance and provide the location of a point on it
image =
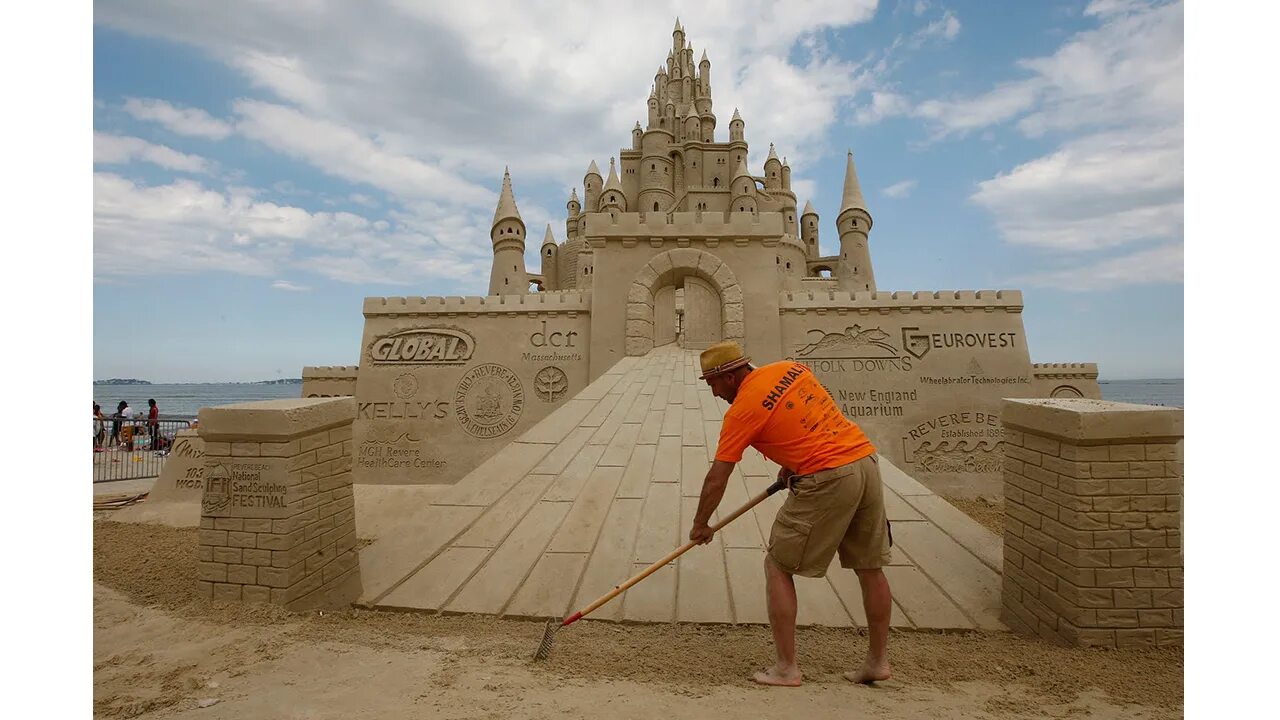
(553, 626)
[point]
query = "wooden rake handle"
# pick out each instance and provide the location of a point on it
(775, 487)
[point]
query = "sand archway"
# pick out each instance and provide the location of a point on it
(672, 267)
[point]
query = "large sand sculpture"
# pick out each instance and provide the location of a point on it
(682, 244)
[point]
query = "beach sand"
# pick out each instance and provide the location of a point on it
(161, 652)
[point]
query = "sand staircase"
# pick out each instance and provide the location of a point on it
(609, 482)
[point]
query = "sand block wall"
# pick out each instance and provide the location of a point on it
(1093, 522)
(277, 512)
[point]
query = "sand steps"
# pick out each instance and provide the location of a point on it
(609, 482)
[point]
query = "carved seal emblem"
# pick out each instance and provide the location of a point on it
(488, 401)
(550, 383)
(405, 386)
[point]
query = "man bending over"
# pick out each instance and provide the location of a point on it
(836, 503)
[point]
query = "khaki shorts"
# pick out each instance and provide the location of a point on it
(838, 509)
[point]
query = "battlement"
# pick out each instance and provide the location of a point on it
(685, 225)
(557, 301)
(1063, 371)
(944, 300)
(330, 372)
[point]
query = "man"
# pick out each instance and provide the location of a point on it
(836, 503)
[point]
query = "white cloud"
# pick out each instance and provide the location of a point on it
(946, 27)
(884, 104)
(1127, 71)
(291, 287)
(184, 121)
(120, 150)
(184, 227)
(524, 79)
(1006, 101)
(1099, 191)
(344, 153)
(1159, 265)
(900, 189)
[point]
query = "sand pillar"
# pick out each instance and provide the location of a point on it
(1093, 539)
(277, 514)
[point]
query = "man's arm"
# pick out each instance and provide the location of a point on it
(713, 486)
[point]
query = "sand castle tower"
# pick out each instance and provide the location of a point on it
(854, 223)
(508, 276)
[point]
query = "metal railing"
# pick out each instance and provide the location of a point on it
(129, 448)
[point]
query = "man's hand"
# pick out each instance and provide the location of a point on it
(701, 534)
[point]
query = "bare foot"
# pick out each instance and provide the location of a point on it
(774, 676)
(870, 672)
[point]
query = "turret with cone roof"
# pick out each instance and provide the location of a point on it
(744, 190)
(772, 170)
(612, 196)
(737, 128)
(591, 185)
(573, 208)
(854, 224)
(809, 230)
(508, 275)
(548, 256)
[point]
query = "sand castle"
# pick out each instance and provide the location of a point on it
(674, 247)
(522, 452)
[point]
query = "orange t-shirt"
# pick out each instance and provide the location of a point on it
(785, 413)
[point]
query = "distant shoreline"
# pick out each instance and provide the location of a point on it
(284, 381)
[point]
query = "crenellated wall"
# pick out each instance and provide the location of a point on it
(704, 225)
(925, 300)
(561, 301)
(445, 382)
(1066, 380)
(329, 380)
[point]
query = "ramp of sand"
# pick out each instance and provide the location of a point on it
(608, 484)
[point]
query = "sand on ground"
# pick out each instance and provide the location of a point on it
(161, 652)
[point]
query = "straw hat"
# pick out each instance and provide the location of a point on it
(721, 357)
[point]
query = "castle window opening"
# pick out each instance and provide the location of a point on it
(655, 207)
(715, 182)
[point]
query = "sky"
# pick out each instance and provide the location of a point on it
(260, 168)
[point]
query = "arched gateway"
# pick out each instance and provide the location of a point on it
(712, 302)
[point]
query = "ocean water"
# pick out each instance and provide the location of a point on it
(185, 400)
(1144, 392)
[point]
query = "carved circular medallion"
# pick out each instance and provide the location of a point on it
(405, 386)
(488, 400)
(550, 383)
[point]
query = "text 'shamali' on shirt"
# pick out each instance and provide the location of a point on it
(785, 413)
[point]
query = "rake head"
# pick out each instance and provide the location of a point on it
(549, 635)
(548, 639)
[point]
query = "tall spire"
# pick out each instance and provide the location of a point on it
(773, 155)
(852, 190)
(613, 183)
(741, 169)
(506, 201)
(594, 169)
(808, 209)
(736, 116)
(549, 239)
(678, 28)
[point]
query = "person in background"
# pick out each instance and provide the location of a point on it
(122, 412)
(99, 427)
(153, 424)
